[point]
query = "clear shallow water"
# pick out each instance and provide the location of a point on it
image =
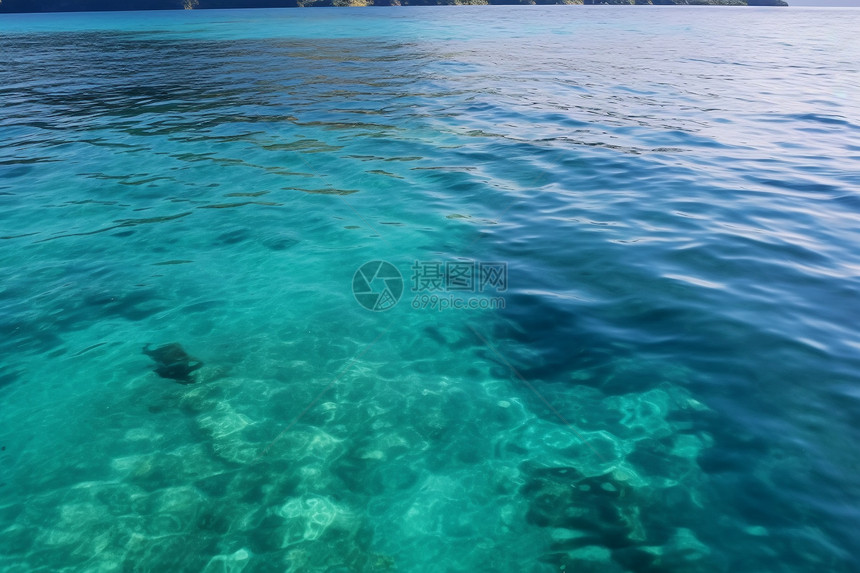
(670, 386)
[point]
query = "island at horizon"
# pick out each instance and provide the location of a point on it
(36, 6)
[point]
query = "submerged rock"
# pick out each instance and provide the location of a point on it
(171, 361)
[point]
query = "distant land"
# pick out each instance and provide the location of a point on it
(116, 5)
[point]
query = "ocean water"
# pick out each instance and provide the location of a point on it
(649, 218)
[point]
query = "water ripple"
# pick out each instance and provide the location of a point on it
(674, 193)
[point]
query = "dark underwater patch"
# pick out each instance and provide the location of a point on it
(279, 242)
(8, 377)
(173, 362)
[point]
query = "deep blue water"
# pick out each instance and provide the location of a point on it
(661, 207)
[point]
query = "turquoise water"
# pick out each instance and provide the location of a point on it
(667, 381)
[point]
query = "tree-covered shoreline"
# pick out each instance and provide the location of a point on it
(10, 6)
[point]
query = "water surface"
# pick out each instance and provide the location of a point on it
(670, 382)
